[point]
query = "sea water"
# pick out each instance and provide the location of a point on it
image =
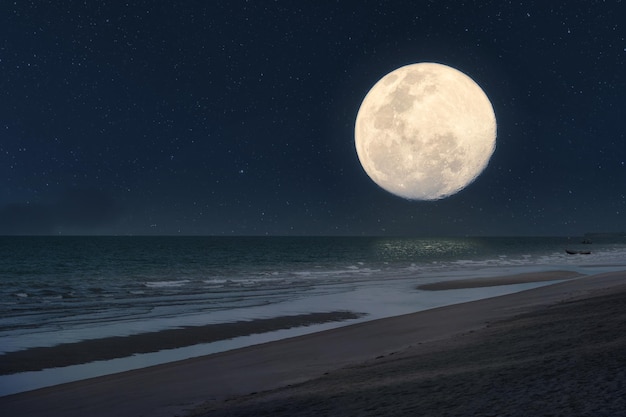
(57, 290)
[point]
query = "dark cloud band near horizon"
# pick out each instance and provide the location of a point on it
(75, 211)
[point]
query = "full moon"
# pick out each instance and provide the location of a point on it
(425, 131)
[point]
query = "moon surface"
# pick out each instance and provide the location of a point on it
(425, 131)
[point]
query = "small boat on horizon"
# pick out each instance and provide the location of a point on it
(577, 252)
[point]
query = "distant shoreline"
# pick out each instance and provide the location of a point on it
(500, 280)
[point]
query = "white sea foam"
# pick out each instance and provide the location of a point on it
(215, 281)
(164, 284)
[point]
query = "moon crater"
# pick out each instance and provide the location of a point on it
(425, 131)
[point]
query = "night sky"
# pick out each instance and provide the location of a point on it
(237, 118)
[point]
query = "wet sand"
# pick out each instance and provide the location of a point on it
(554, 350)
(504, 280)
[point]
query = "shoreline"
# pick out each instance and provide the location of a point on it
(110, 348)
(92, 350)
(177, 386)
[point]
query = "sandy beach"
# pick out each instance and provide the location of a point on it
(554, 350)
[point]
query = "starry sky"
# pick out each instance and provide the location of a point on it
(237, 117)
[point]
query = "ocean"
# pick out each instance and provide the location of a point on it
(62, 290)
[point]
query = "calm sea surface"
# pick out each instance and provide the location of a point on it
(62, 289)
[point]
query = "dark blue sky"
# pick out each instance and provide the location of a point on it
(233, 117)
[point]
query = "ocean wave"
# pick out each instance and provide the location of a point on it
(166, 284)
(324, 272)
